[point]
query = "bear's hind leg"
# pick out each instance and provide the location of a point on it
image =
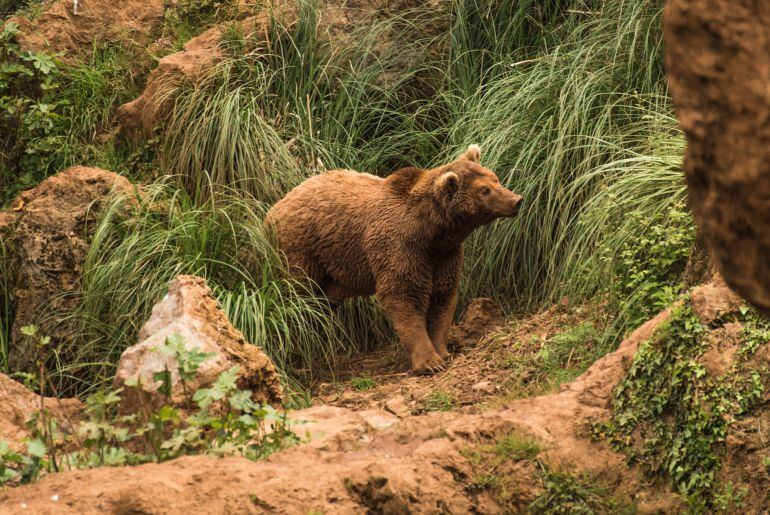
(304, 269)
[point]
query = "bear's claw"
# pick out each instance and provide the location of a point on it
(432, 365)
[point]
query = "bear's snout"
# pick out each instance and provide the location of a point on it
(510, 204)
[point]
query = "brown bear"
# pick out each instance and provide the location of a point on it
(399, 238)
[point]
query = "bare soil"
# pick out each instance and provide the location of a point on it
(483, 372)
(370, 459)
(73, 34)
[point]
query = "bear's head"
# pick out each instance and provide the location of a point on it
(471, 193)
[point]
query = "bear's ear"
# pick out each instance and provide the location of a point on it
(448, 182)
(472, 153)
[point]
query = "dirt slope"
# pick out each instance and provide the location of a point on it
(369, 460)
(19, 404)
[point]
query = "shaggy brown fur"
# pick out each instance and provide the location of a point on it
(399, 238)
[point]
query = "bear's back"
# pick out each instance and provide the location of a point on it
(334, 193)
(336, 204)
(339, 186)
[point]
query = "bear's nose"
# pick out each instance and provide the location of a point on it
(515, 205)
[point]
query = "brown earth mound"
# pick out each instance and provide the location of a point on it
(61, 29)
(47, 233)
(372, 460)
(718, 61)
(19, 404)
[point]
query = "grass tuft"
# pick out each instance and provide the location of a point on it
(141, 244)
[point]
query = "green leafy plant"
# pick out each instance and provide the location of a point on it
(362, 384)
(670, 416)
(30, 112)
(730, 499)
(52, 113)
(438, 400)
(187, 362)
(648, 270)
(223, 420)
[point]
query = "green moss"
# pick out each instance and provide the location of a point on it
(670, 417)
(439, 400)
(362, 384)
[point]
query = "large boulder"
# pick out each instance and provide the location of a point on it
(46, 234)
(190, 311)
(718, 61)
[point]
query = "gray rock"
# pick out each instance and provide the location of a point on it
(190, 310)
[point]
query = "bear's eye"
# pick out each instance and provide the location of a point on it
(486, 191)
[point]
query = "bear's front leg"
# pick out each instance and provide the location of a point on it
(409, 323)
(440, 316)
(443, 300)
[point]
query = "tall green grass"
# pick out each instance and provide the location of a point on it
(578, 121)
(140, 244)
(273, 112)
(90, 91)
(566, 98)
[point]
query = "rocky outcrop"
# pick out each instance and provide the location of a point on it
(714, 300)
(18, 404)
(190, 310)
(139, 117)
(62, 28)
(718, 62)
(46, 233)
(481, 317)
